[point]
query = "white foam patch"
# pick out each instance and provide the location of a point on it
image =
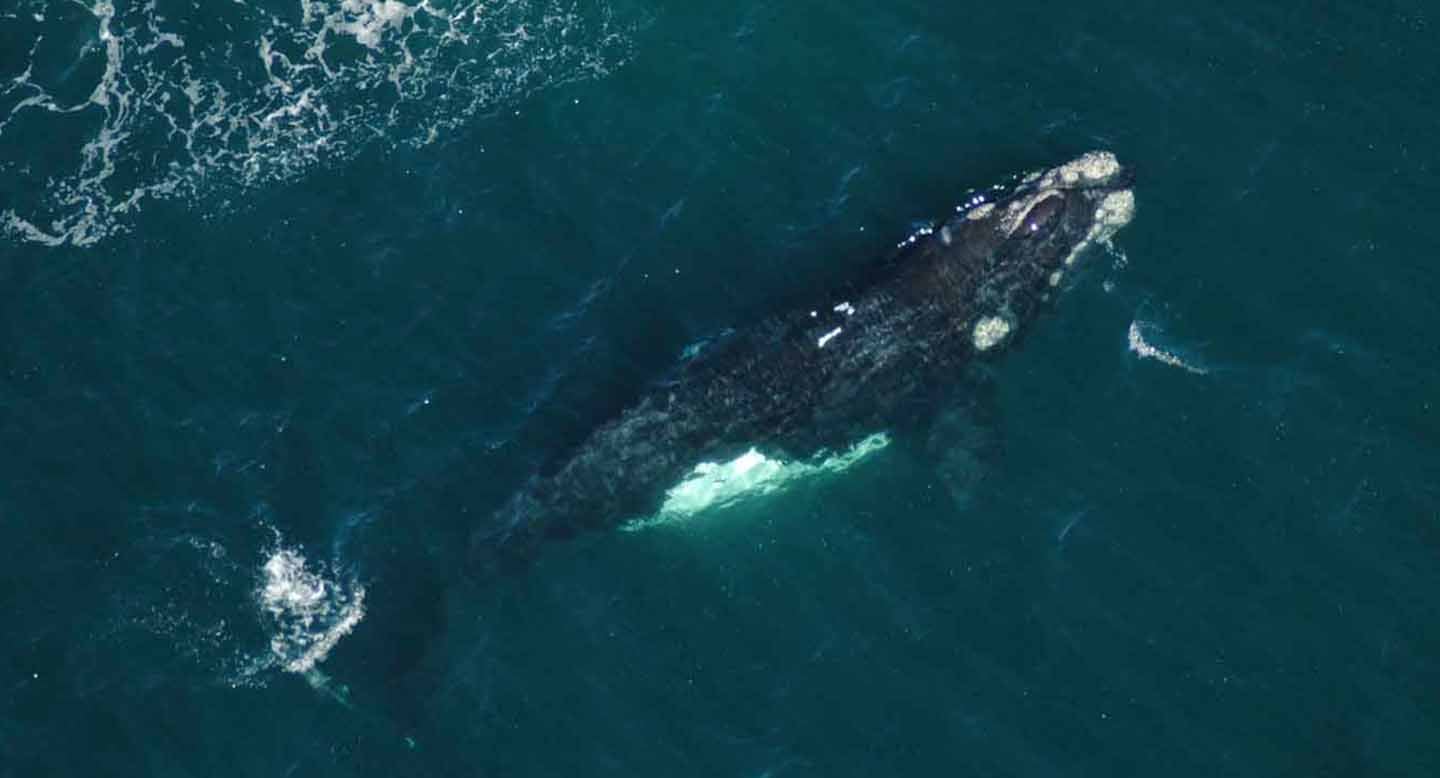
(1146, 350)
(308, 611)
(368, 20)
(714, 485)
(255, 96)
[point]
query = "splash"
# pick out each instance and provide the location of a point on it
(752, 474)
(308, 612)
(1145, 350)
(107, 107)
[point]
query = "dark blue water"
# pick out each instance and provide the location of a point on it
(294, 294)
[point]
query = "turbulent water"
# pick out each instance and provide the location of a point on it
(295, 294)
(210, 105)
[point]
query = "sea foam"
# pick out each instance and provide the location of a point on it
(308, 611)
(207, 105)
(1146, 350)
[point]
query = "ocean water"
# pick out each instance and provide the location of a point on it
(295, 293)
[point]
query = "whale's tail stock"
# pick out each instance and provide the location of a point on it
(583, 495)
(512, 536)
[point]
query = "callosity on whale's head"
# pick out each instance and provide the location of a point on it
(1004, 256)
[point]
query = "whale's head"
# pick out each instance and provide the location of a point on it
(1004, 256)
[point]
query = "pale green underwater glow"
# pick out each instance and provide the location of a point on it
(752, 474)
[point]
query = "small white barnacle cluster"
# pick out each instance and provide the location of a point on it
(989, 331)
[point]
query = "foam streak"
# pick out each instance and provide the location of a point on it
(1145, 350)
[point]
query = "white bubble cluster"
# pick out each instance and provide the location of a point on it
(309, 613)
(1146, 350)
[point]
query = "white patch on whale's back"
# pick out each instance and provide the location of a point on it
(752, 474)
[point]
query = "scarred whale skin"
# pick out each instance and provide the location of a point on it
(824, 376)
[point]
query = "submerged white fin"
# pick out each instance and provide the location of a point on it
(752, 474)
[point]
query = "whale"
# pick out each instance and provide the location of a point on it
(818, 377)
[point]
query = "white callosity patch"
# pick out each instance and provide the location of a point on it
(989, 331)
(980, 212)
(1113, 212)
(1146, 350)
(1017, 211)
(308, 611)
(1095, 167)
(827, 337)
(752, 474)
(278, 94)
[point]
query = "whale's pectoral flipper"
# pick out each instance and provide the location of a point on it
(963, 442)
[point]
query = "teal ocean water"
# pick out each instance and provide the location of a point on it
(295, 293)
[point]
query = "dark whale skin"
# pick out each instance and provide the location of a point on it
(824, 376)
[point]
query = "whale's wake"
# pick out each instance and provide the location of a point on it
(1146, 350)
(309, 612)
